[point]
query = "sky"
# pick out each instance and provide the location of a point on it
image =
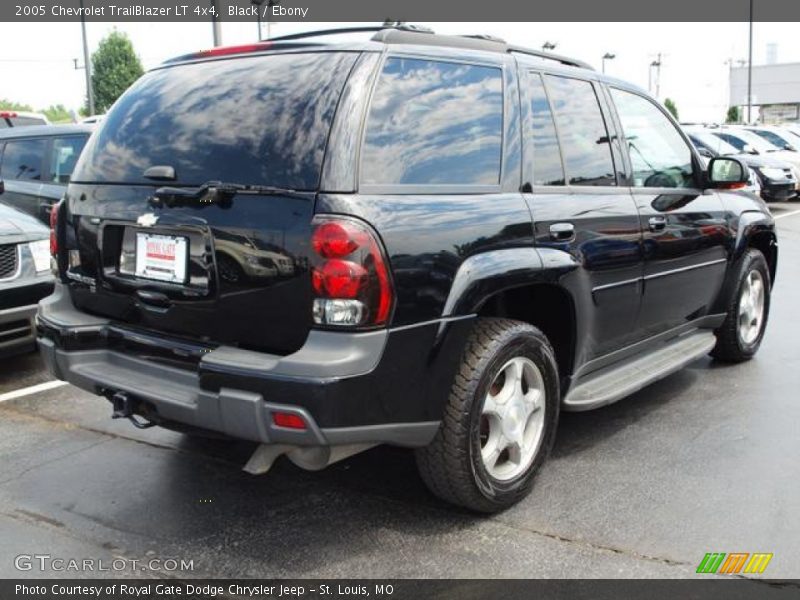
(36, 59)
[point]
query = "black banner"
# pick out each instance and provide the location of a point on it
(398, 589)
(407, 10)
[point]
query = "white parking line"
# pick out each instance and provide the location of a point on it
(34, 389)
(789, 214)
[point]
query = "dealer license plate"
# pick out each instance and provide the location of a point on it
(161, 257)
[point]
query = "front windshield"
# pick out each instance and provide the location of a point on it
(718, 146)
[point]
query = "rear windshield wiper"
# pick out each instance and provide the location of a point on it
(214, 192)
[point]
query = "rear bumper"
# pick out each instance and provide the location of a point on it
(384, 386)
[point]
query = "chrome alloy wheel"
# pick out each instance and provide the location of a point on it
(751, 307)
(512, 419)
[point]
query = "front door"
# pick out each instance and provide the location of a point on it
(684, 228)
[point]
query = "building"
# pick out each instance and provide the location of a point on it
(776, 91)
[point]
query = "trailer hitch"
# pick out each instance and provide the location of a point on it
(123, 406)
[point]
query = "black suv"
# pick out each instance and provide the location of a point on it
(428, 241)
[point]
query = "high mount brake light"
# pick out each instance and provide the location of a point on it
(222, 51)
(350, 275)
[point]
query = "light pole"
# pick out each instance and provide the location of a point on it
(270, 4)
(657, 64)
(549, 46)
(216, 27)
(750, 68)
(87, 65)
(607, 56)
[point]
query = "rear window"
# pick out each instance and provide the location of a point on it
(434, 122)
(260, 120)
(22, 160)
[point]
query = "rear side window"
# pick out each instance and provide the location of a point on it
(261, 120)
(63, 157)
(659, 155)
(771, 137)
(547, 169)
(582, 130)
(434, 122)
(22, 160)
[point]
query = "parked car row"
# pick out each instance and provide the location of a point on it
(772, 153)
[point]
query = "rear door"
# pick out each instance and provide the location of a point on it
(21, 170)
(578, 207)
(684, 228)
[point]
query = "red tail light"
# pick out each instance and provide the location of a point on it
(350, 275)
(288, 420)
(54, 228)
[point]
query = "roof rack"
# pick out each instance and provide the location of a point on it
(405, 33)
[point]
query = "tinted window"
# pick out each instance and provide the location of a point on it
(22, 159)
(434, 122)
(582, 131)
(63, 157)
(659, 155)
(259, 120)
(547, 169)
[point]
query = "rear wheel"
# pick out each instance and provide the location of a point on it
(740, 335)
(500, 419)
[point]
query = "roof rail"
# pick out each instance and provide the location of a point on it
(572, 62)
(404, 33)
(364, 29)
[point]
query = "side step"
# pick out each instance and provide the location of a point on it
(616, 382)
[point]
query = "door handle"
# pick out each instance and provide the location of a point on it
(561, 232)
(657, 223)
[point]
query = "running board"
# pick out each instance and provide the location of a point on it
(616, 382)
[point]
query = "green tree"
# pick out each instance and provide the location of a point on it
(57, 113)
(115, 66)
(670, 106)
(734, 115)
(6, 104)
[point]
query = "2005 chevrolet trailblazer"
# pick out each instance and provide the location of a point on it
(427, 241)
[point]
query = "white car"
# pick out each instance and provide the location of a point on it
(777, 136)
(748, 141)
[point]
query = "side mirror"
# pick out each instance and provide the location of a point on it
(2, 186)
(705, 152)
(727, 172)
(789, 147)
(748, 149)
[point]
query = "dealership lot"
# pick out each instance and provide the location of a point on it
(705, 461)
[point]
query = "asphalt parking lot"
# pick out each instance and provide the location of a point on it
(704, 461)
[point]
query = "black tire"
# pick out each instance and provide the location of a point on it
(731, 347)
(451, 465)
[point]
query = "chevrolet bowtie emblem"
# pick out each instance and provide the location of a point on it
(147, 220)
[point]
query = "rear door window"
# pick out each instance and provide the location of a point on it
(261, 120)
(585, 142)
(434, 122)
(547, 169)
(22, 160)
(63, 156)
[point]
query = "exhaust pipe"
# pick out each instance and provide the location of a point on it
(310, 458)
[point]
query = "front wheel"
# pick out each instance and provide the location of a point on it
(740, 335)
(499, 421)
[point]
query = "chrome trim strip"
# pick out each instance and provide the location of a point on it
(18, 272)
(616, 284)
(657, 275)
(682, 269)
